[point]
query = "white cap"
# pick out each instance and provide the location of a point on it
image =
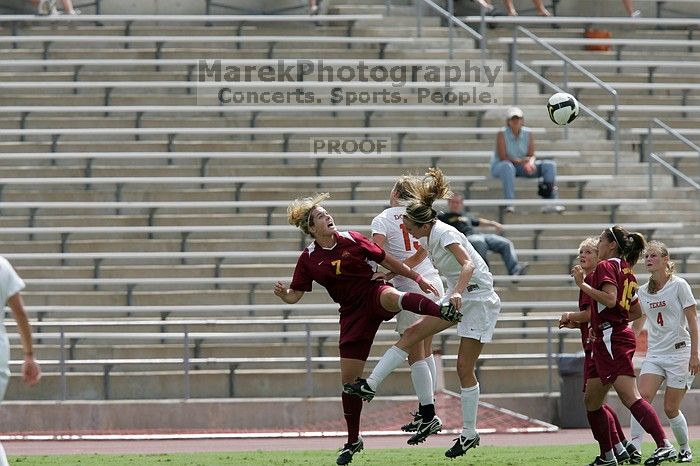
(514, 112)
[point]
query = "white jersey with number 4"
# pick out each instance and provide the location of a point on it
(441, 236)
(666, 322)
(399, 243)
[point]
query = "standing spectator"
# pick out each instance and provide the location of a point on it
(10, 287)
(48, 7)
(541, 10)
(631, 12)
(669, 309)
(464, 222)
(515, 156)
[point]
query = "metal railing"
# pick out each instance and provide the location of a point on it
(515, 64)
(67, 341)
(654, 157)
(452, 20)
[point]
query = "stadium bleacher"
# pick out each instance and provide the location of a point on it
(132, 212)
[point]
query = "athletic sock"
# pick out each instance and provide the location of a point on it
(352, 408)
(616, 420)
(636, 434)
(470, 406)
(430, 360)
(680, 429)
(422, 382)
(419, 304)
(427, 412)
(598, 420)
(644, 413)
(3, 458)
(392, 359)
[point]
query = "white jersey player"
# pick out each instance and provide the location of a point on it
(10, 287)
(389, 232)
(669, 315)
(470, 290)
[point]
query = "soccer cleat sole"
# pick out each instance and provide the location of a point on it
(420, 437)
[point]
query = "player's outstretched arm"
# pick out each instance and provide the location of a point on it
(692, 318)
(287, 295)
(31, 372)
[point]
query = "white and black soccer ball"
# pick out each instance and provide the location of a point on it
(562, 108)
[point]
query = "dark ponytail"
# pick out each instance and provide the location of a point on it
(629, 244)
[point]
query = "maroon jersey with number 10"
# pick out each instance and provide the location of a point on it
(617, 272)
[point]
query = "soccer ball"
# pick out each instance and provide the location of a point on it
(562, 108)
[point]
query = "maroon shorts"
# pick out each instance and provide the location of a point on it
(612, 355)
(359, 324)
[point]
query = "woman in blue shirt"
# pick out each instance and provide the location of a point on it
(515, 156)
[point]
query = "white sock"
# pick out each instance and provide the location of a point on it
(619, 448)
(392, 359)
(470, 404)
(430, 360)
(3, 458)
(422, 382)
(636, 434)
(679, 426)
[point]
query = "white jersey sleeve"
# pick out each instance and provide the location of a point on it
(450, 237)
(685, 294)
(380, 225)
(10, 282)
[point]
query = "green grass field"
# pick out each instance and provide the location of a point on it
(485, 455)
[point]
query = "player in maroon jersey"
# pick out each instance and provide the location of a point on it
(588, 260)
(339, 261)
(613, 289)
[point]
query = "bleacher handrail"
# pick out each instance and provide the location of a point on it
(613, 128)
(654, 157)
(451, 21)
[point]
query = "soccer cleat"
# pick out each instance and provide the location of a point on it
(598, 461)
(348, 450)
(413, 425)
(360, 388)
(685, 456)
(462, 445)
(425, 429)
(660, 455)
(623, 457)
(450, 313)
(635, 455)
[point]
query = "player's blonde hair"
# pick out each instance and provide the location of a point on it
(662, 250)
(432, 187)
(405, 187)
(590, 242)
(299, 210)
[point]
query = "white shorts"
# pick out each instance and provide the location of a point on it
(4, 361)
(673, 368)
(405, 319)
(479, 317)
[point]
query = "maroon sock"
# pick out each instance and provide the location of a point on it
(614, 435)
(616, 421)
(352, 408)
(419, 304)
(598, 421)
(644, 413)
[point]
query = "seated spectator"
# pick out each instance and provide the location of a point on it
(515, 156)
(482, 242)
(48, 7)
